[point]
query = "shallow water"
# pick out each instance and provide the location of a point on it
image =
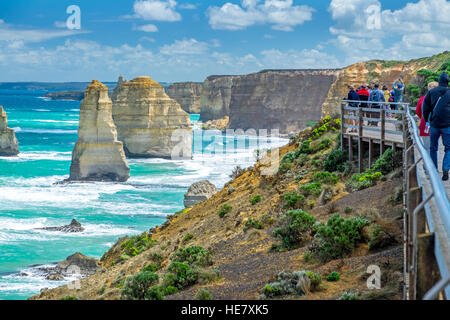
(30, 199)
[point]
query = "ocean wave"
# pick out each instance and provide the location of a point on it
(39, 155)
(41, 110)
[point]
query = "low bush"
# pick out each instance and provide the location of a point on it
(325, 177)
(194, 256)
(296, 227)
(388, 162)
(293, 200)
(237, 172)
(188, 237)
(181, 275)
(360, 181)
(314, 189)
(256, 199)
(349, 296)
(335, 161)
(224, 210)
(151, 268)
(338, 237)
(203, 294)
(137, 244)
(295, 283)
(138, 287)
(333, 277)
(316, 280)
(253, 224)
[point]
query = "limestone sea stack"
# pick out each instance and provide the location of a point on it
(8, 142)
(216, 97)
(146, 118)
(98, 155)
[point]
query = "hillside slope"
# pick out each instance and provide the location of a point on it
(236, 230)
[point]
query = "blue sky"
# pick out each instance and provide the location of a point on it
(187, 40)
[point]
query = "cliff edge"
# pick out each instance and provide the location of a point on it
(9, 146)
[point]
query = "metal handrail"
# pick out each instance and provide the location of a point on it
(438, 193)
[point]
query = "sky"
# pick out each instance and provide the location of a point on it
(188, 40)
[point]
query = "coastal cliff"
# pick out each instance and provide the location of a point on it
(65, 95)
(9, 146)
(98, 155)
(216, 97)
(187, 94)
(279, 99)
(146, 118)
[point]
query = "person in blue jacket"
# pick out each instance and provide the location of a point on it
(399, 88)
(436, 112)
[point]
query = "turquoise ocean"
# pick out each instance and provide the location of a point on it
(30, 199)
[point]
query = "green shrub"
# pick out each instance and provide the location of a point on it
(335, 161)
(360, 181)
(151, 268)
(388, 162)
(348, 210)
(137, 244)
(325, 177)
(296, 227)
(305, 147)
(307, 256)
(301, 160)
(203, 294)
(349, 296)
(180, 276)
(69, 298)
(293, 200)
(271, 290)
(194, 256)
(256, 199)
(333, 277)
(138, 287)
(224, 210)
(255, 224)
(314, 189)
(188, 237)
(316, 279)
(324, 144)
(169, 290)
(338, 237)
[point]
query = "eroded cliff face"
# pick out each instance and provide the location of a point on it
(187, 94)
(382, 72)
(9, 145)
(279, 99)
(98, 155)
(146, 118)
(216, 97)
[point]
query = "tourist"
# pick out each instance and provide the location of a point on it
(363, 94)
(424, 131)
(353, 97)
(387, 95)
(376, 96)
(399, 87)
(436, 111)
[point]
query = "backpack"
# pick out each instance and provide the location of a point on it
(441, 108)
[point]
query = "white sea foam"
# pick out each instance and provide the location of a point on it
(41, 110)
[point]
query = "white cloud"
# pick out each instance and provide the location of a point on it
(188, 6)
(185, 47)
(10, 32)
(282, 15)
(298, 59)
(158, 10)
(417, 29)
(146, 28)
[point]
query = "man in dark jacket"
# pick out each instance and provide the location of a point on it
(437, 116)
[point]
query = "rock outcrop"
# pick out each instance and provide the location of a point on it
(75, 265)
(98, 155)
(146, 118)
(216, 97)
(198, 192)
(118, 87)
(279, 99)
(187, 94)
(9, 146)
(73, 227)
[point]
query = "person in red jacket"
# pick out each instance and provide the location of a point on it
(422, 127)
(364, 94)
